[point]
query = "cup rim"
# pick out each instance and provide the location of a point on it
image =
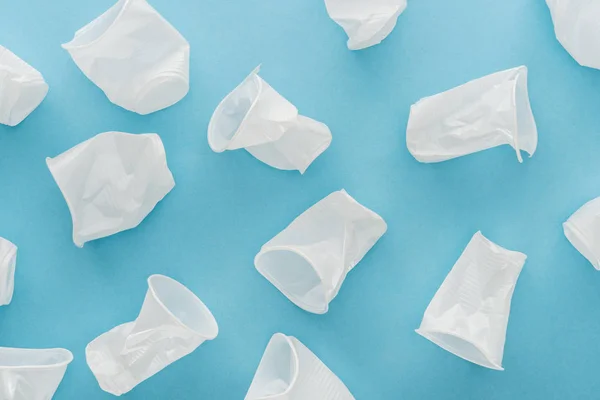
(62, 351)
(212, 330)
(211, 129)
(293, 298)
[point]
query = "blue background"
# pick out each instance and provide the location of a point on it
(225, 206)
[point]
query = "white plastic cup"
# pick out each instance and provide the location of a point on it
(468, 315)
(309, 260)
(172, 323)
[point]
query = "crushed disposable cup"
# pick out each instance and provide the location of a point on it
(582, 229)
(366, 22)
(309, 260)
(137, 58)
(172, 323)
(8, 262)
(111, 182)
(576, 28)
(22, 88)
(257, 118)
(468, 315)
(32, 374)
(481, 114)
(288, 370)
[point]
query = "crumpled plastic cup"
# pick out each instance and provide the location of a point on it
(32, 374)
(582, 229)
(139, 60)
(576, 28)
(481, 114)
(468, 315)
(8, 262)
(366, 22)
(257, 118)
(309, 260)
(289, 370)
(23, 88)
(111, 182)
(172, 323)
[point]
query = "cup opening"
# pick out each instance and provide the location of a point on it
(294, 275)
(277, 371)
(460, 347)
(98, 27)
(184, 305)
(34, 358)
(229, 115)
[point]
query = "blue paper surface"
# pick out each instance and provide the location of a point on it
(206, 232)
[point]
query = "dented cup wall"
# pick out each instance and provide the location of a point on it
(111, 182)
(468, 315)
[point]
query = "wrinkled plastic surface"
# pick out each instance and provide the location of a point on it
(481, 114)
(255, 117)
(366, 22)
(583, 231)
(8, 262)
(22, 88)
(139, 60)
(31, 374)
(172, 323)
(288, 370)
(309, 260)
(468, 315)
(111, 182)
(577, 29)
